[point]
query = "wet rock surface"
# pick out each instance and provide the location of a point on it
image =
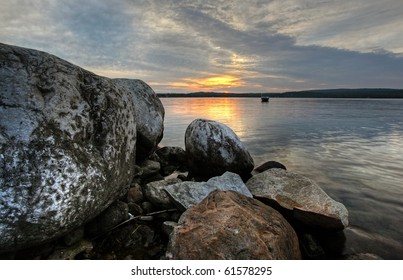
(228, 225)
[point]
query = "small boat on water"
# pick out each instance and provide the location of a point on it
(265, 99)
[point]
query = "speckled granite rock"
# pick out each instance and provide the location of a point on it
(67, 146)
(187, 194)
(213, 148)
(308, 203)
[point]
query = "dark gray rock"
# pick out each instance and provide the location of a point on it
(67, 146)
(171, 159)
(135, 209)
(172, 156)
(308, 203)
(149, 168)
(147, 207)
(154, 192)
(187, 194)
(213, 148)
(268, 165)
(149, 115)
(231, 226)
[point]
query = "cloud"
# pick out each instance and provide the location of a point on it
(180, 45)
(359, 25)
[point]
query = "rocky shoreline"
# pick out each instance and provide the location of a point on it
(138, 225)
(83, 178)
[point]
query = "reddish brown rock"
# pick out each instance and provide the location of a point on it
(228, 225)
(135, 194)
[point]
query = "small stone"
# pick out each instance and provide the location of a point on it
(147, 207)
(71, 252)
(149, 168)
(135, 209)
(154, 192)
(135, 193)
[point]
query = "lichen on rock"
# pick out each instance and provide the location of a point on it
(68, 146)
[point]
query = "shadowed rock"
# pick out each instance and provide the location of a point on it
(308, 203)
(149, 115)
(268, 165)
(230, 226)
(171, 159)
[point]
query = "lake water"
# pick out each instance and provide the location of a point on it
(353, 148)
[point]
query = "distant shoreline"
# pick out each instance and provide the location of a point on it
(326, 93)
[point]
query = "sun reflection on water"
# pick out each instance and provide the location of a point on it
(225, 110)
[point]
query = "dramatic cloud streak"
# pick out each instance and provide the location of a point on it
(236, 46)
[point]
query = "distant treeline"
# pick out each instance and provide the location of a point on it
(325, 93)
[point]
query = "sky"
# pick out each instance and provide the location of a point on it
(216, 45)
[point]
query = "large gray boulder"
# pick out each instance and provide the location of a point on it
(299, 196)
(67, 146)
(187, 194)
(231, 226)
(213, 148)
(149, 115)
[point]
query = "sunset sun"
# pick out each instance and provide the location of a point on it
(214, 83)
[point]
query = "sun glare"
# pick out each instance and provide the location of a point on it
(225, 110)
(220, 83)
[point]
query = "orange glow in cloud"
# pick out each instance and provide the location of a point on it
(215, 83)
(218, 81)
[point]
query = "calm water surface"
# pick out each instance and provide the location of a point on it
(353, 148)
